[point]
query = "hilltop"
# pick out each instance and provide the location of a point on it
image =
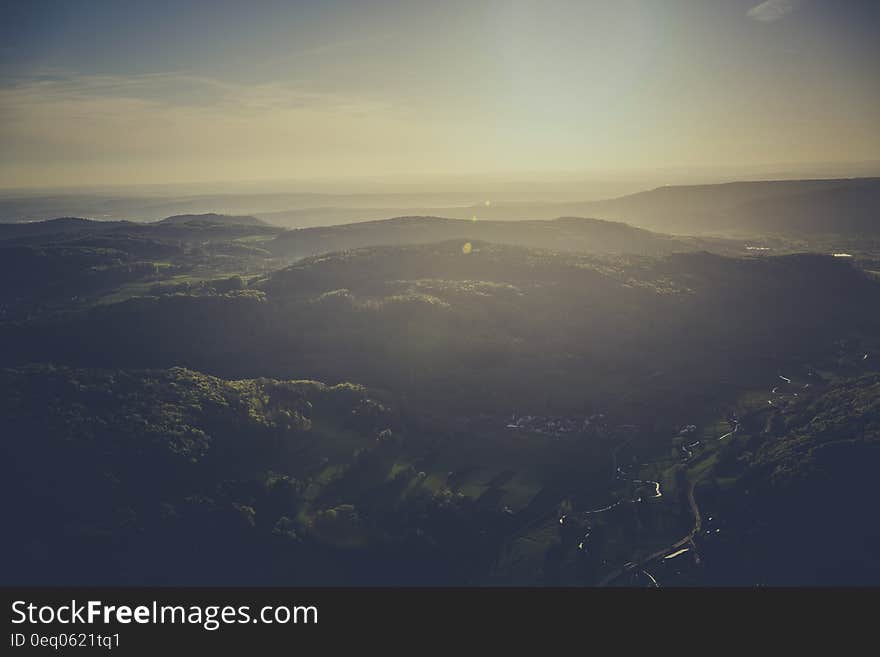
(213, 219)
(569, 234)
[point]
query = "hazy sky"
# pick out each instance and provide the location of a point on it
(95, 92)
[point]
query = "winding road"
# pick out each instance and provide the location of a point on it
(678, 545)
(686, 540)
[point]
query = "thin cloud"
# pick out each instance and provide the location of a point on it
(174, 89)
(166, 125)
(773, 10)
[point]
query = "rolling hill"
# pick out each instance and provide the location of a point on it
(456, 331)
(212, 219)
(791, 208)
(571, 234)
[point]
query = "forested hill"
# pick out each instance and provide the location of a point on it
(455, 331)
(190, 228)
(171, 461)
(172, 476)
(60, 228)
(213, 219)
(572, 234)
(801, 510)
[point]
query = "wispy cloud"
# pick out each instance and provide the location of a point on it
(773, 10)
(176, 125)
(174, 89)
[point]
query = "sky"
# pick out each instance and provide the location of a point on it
(121, 92)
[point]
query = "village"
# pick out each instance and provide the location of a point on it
(556, 426)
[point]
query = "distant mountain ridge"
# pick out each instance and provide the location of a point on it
(844, 207)
(212, 218)
(211, 227)
(848, 206)
(59, 226)
(785, 208)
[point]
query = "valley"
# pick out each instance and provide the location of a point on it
(566, 403)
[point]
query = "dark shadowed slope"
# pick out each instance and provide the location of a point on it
(172, 476)
(456, 331)
(799, 505)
